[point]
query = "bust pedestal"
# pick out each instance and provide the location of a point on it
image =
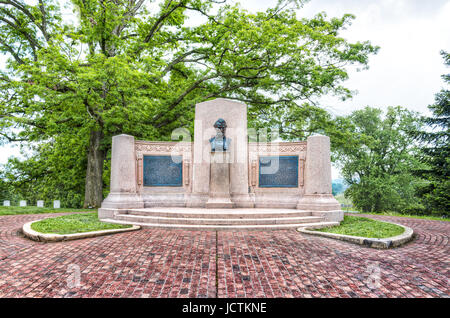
(219, 184)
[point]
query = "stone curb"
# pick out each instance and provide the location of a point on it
(42, 237)
(385, 243)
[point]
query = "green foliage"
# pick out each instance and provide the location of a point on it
(125, 69)
(5, 190)
(74, 223)
(364, 227)
(435, 152)
(16, 210)
(414, 216)
(347, 202)
(377, 161)
(54, 172)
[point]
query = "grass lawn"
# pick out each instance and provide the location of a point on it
(74, 223)
(15, 210)
(365, 227)
(424, 217)
(342, 200)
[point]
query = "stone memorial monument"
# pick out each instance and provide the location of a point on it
(221, 180)
(23, 203)
(6, 203)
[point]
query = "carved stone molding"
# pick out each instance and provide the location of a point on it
(140, 171)
(155, 147)
(301, 172)
(281, 147)
(186, 168)
(254, 172)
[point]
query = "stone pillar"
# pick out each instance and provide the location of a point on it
(219, 185)
(123, 187)
(318, 165)
(317, 196)
(123, 165)
(235, 115)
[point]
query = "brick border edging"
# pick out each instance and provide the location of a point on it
(42, 237)
(384, 243)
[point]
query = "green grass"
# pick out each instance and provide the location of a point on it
(365, 227)
(423, 217)
(342, 200)
(74, 223)
(15, 210)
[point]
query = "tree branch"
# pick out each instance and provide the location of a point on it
(160, 20)
(182, 96)
(13, 53)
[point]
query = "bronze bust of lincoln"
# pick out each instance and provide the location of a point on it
(220, 142)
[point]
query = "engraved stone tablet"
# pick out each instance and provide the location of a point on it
(163, 171)
(278, 172)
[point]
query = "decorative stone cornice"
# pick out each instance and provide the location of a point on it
(281, 147)
(161, 146)
(158, 146)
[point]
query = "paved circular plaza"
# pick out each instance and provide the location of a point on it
(176, 263)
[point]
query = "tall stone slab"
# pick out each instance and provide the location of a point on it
(235, 115)
(123, 187)
(219, 183)
(317, 188)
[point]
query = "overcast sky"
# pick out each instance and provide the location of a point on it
(406, 71)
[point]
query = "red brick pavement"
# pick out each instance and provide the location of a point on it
(176, 263)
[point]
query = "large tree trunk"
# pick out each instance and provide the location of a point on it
(93, 195)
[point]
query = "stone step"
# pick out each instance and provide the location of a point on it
(212, 227)
(218, 213)
(216, 221)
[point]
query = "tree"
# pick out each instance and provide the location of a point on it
(435, 153)
(54, 171)
(377, 161)
(139, 67)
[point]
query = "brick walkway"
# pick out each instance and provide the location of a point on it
(175, 263)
